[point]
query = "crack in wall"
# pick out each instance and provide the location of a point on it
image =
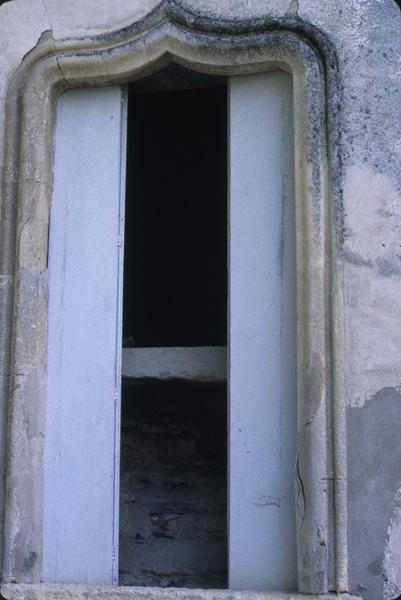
(301, 500)
(293, 9)
(45, 7)
(50, 34)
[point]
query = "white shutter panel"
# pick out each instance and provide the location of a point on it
(262, 379)
(80, 539)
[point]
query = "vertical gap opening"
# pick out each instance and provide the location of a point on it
(175, 261)
(173, 490)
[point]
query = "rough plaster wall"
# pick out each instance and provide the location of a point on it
(368, 41)
(23, 21)
(367, 37)
(375, 461)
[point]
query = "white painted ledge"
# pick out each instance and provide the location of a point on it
(19, 591)
(206, 363)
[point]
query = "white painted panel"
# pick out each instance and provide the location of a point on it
(262, 377)
(80, 536)
(201, 363)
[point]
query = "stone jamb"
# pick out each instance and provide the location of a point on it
(216, 47)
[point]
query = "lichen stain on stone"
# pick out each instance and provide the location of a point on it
(30, 561)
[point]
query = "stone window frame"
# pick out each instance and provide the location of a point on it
(223, 47)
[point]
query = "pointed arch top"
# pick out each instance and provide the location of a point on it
(171, 33)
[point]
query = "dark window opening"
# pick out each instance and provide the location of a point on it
(175, 274)
(173, 493)
(173, 530)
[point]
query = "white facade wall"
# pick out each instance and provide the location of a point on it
(366, 236)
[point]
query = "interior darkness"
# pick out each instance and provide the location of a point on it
(173, 498)
(173, 489)
(175, 273)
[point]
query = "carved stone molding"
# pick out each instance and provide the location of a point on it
(224, 47)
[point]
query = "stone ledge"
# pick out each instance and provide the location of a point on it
(19, 591)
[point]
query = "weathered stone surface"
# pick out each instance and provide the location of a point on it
(71, 592)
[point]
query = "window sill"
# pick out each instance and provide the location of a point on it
(201, 364)
(20, 591)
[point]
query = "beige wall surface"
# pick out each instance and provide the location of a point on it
(366, 248)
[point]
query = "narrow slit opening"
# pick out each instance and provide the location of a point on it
(173, 473)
